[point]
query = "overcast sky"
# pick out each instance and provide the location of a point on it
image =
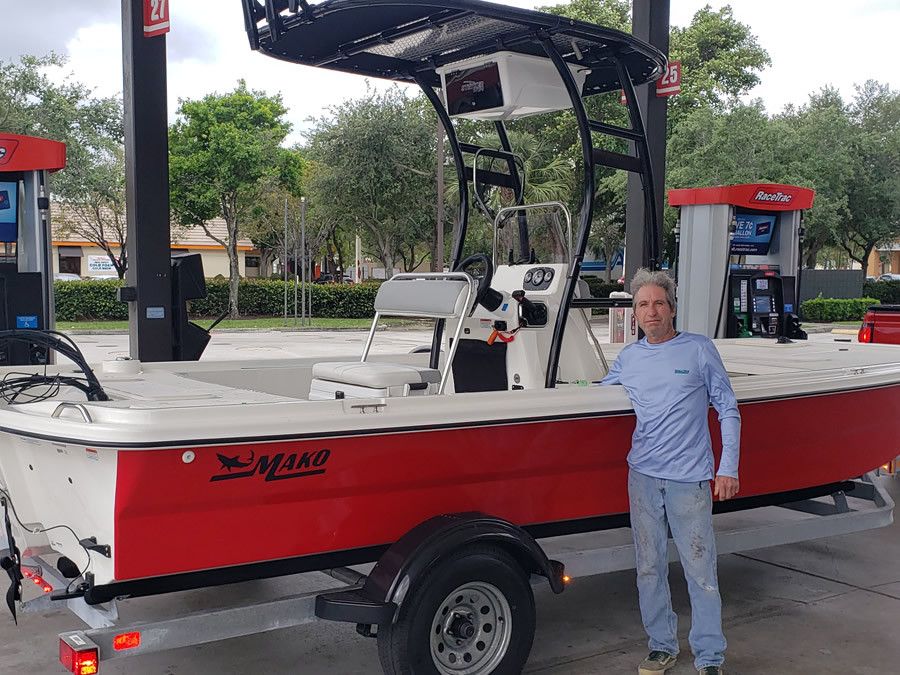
(812, 43)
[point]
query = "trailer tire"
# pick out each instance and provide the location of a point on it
(473, 613)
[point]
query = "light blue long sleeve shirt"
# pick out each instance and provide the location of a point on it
(671, 385)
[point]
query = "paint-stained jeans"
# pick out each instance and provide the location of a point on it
(687, 510)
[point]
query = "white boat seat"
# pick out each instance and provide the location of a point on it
(376, 375)
(434, 295)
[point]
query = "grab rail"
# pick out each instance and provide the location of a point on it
(85, 415)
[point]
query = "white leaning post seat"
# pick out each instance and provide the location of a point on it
(429, 296)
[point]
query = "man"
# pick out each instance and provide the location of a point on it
(671, 378)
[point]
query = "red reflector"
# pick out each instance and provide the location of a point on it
(865, 333)
(126, 641)
(79, 662)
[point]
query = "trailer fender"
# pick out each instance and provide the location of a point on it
(407, 560)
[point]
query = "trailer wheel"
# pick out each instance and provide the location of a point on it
(472, 614)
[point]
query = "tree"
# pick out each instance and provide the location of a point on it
(374, 167)
(608, 226)
(264, 223)
(92, 187)
(221, 150)
(813, 149)
(873, 191)
(720, 148)
(95, 209)
(720, 61)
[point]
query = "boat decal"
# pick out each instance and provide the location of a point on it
(280, 466)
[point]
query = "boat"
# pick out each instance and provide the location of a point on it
(169, 476)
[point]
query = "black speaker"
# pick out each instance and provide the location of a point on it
(188, 283)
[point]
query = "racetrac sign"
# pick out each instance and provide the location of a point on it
(779, 197)
(156, 17)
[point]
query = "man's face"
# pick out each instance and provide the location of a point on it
(653, 313)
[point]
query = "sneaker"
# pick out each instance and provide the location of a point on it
(656, 662)
(711, 670)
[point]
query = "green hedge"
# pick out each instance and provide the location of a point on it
(600, 288)
(886, 291)
(88, 301)
(96, 300)
(826, 310)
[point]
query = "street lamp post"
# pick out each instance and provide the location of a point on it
(307, 311)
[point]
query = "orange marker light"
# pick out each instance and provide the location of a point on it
(88, 666)
(126, 641)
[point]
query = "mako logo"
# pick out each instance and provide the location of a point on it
(278, 466)
(682, 371)
(772, 197)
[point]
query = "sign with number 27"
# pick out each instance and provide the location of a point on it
(156, 17)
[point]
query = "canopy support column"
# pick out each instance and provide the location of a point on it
(587, 205)
(462, 218)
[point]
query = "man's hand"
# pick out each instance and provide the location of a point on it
(726, 487)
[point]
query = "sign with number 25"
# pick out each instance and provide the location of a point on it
(156, 17)
(670, 83)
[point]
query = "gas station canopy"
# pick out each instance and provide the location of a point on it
(766, 196)
(29, 153)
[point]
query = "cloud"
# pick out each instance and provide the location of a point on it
(41, 27)
(208, 50)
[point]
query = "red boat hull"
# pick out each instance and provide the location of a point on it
(242, 504)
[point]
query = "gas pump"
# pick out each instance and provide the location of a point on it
(739, 254)
(26, 270)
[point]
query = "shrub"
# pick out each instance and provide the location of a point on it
(96, 300)
(886, 291)
(600, 288)
(88, 300)
(827, 310)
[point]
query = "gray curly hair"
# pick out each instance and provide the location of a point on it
(644, 277)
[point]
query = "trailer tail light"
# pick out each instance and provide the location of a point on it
(126, 641)
(37, 580)
(78, 655)
(866, 333)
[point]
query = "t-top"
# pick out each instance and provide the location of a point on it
(671, 385)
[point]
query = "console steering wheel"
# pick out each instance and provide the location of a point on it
(483, 291)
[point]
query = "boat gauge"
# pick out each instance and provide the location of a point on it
(527, 277)
(538, 277)
(548, 276)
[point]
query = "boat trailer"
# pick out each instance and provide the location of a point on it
(858, 505)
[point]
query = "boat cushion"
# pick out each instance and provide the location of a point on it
(375, 375)
(438, 298)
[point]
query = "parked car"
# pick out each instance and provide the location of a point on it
(66, 276)
(889, 277)
(332, 279)
(881, 324)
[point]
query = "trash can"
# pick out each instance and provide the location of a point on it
(622, 326)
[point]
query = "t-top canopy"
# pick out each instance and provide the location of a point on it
(404, 40)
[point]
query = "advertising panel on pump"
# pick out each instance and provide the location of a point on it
(9, 212)
(753, 234)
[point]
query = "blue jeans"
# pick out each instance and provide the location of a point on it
(686, 508)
